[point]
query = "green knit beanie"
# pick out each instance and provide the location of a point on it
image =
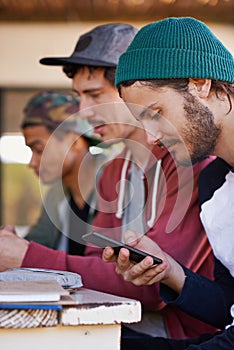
(180, 47)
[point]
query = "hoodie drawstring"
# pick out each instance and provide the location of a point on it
(122, 186)
(120, 210)
(150, 222)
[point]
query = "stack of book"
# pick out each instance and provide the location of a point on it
(29, 304)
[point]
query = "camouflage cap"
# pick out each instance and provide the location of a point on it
(52, 109)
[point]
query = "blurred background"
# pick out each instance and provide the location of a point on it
(32, 29)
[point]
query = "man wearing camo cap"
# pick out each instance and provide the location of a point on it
(47, 125)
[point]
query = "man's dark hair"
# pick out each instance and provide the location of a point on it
(219, 87)
(71, 69)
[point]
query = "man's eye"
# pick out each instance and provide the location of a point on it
(37, 151)
(40, 151)
(155, 116)
(152, 115)
(149, 114)
(94, 95)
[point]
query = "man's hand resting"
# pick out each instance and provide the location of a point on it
(12, 248)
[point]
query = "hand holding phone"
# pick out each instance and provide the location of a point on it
(102, 241)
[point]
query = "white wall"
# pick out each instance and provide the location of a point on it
(22, 45)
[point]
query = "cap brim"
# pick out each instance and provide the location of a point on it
(61, 61)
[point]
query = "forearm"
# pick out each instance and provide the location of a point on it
(201, 298)
(95, 273)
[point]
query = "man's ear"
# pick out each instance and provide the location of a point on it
(201, 86)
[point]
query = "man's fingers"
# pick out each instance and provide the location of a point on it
(132, 271)
(108, 255)
(145, 272)
(132, 237)
(123, 262)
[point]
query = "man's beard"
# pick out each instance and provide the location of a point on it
(200, 131)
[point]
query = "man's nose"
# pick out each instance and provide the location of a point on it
(85, 102)
(33, 164)
(85, 108)
(153, 133)
(86, 113)
(150, 138)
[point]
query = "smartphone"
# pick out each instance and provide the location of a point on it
(102, 241)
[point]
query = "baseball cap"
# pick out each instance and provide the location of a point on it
(100, 47)
(54, 109)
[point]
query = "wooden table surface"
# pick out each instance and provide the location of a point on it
(92, 322)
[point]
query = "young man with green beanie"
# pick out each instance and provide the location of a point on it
(142, 189)
(181, 89)
(68, 206)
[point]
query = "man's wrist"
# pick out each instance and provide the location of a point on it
(175, 277)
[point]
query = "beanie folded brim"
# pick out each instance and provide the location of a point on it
(166, 64)
(176, 47)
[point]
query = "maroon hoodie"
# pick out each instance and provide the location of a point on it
(172, 221)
